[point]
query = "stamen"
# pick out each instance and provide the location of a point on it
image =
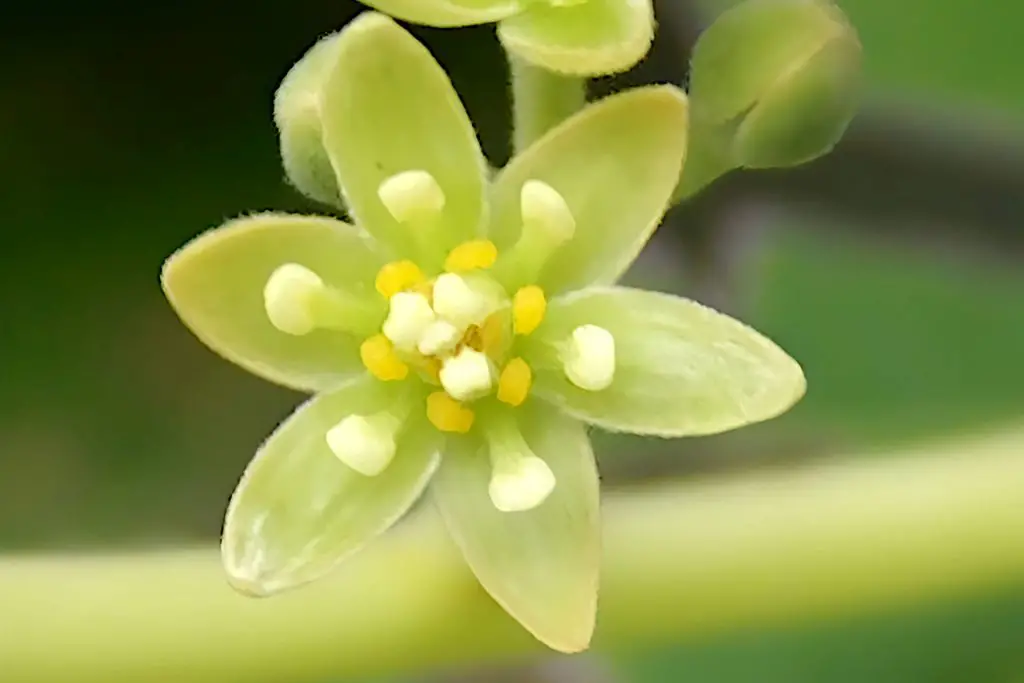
(547, 217)
(589, 358)
(528, 308)
(397, 277)
(520, 481)
(475, 255)
(447, 414)
(297, 301)
(288, 298)
(459, 303)
(408, 319)
(467, 376)
(412, 197)
(380, 359)
(515, 382)
(548, 223)
(441, 336)
(366, 444)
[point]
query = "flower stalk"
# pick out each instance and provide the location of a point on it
(847, 538)
(541, 100)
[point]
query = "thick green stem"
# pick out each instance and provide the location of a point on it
(541, 100)
(684, 561)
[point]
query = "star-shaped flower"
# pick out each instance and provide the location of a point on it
(462, 333)
(580, 37)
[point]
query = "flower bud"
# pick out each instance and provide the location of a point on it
(780, 77)
(297, 115)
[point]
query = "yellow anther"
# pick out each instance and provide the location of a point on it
(515, 382)
(447, 414)
(398, 276)
(528, 308)
(380, 359)
(475, 255)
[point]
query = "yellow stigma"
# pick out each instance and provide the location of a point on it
(475, 255)
(379, 358)
(515, 382)
(397, 277)
(528, 308)
(447, 414)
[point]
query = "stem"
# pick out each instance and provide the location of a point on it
(687, 561)
(707, 159)
(541, 99)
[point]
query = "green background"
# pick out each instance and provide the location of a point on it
(126, 132)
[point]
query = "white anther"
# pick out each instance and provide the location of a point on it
(441, 336)
(456, 302)
(288, 298)
(467, 376)
(589, 358)
(366, 444)
(545, 213)
(408, 319)
(520, 482)
(412, 196)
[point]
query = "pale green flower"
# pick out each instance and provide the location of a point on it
(463, 334)
(579, 37)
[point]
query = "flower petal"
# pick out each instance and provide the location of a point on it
(540, 565)
(681, 368)
(389, 107)
(215, 284)
(446, 13)
(298, 510)
(616, 164)
(595, 37)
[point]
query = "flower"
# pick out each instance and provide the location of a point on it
(578, 37)
(463, 334)
(773, 84)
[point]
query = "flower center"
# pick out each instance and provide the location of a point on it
(457, 329)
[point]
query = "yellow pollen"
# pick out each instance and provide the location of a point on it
(515, 382)
(447, 414)
(398, 276)
(380, 359)
(528, 308)
(475, 255)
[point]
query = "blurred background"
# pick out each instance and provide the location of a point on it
(891, 270)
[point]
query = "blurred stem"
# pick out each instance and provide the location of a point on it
(683, 561)
(541, 99)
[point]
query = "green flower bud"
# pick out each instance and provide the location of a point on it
(774, 83)
(297, 115)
